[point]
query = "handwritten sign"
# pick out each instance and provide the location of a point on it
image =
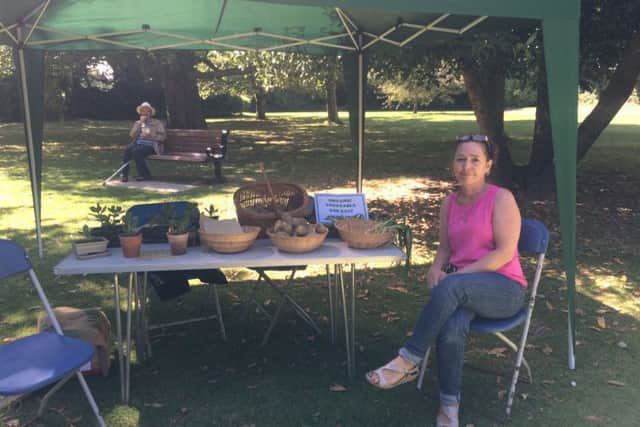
(338, 206)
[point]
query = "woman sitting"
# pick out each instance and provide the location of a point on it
(476, 271)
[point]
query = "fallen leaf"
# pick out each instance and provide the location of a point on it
(549, 306)
(409, 334)
(596, 418)
(497, 352)
(548, 382)
(622, 344)
(547, 350)
(501, 394)
(616, 383)
(580, 312)
(603, 311)
(602, 323)
(524, 396)
(154, 405)
(337, 387)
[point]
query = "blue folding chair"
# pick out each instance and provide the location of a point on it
(144, 214)
(36, 361)
(534, 239)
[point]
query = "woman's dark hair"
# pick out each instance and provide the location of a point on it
(482, 139)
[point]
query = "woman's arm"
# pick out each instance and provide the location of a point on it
(135, 130)
(506, 232)
(436, 273)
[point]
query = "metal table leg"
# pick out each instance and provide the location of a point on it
(347, 339)
(332, 321)
(353, 320)
(128, 354)
(116, 292)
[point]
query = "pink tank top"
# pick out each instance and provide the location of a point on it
(470, 230)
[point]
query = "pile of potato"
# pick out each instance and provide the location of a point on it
(289, 226)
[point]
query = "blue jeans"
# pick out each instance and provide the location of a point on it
(445, 320)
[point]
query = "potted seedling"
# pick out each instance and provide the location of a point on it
(110, 219)
(179, 228)
(130, 238)
(90, 244)
(211, 212)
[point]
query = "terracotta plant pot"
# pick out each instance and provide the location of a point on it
(178, 243)
(131, 245)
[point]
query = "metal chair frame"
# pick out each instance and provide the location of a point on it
(534, 239)
(143, 346)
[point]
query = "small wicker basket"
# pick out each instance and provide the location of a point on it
(357, 233)
(297, 244)
(230, 243)
(254, 206)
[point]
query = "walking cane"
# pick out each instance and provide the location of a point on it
(116, 172)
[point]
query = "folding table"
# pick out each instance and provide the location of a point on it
(156, 257)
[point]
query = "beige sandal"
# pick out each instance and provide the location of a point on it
(408, 375)
(451, 413)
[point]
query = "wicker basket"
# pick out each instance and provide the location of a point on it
(297, 244)
(253, 203)
(355, 232)
(230, 243)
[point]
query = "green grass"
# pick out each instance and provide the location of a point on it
(197, 379)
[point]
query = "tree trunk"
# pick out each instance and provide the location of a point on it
(540, 171)
(184, 110)
(415, 107)
(261, 104)
(485, 88)
(612, 98)
(330, 90)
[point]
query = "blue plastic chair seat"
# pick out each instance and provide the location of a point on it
(482, 324)
(30, 363)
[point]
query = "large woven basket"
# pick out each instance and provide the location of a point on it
(254, 207)
(230, 243)
(297, 244)
(357, 233)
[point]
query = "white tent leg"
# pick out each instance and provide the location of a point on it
(572, 357)
(360, 113)
(32, 160)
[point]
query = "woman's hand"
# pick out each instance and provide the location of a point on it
(434, 276)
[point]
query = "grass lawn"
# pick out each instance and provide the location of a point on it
(196, 379)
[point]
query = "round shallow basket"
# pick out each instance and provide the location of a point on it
(357, 233)
(297, 244)
(230, 243)
(254, 207)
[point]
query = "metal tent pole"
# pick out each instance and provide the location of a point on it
(360, 113)
(35, 189)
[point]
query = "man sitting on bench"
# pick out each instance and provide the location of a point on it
(147, 134)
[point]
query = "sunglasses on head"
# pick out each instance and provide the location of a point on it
(477, 138)
(472, 137)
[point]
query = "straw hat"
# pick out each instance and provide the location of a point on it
(146, 105)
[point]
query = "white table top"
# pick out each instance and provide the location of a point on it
(156, 257)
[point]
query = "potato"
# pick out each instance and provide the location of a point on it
(278, 225)
(320, 229)
(287, 228)
(302, 230)
(300, 221)
(286, 217)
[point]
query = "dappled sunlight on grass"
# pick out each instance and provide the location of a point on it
(618, 292)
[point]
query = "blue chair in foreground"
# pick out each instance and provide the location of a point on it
(36, 361)
(534, 239)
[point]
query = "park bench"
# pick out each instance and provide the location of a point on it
(196, 146)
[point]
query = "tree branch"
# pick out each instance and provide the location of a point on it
(612, 97)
